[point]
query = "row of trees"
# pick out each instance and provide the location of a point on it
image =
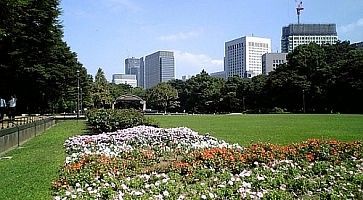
(316, 79)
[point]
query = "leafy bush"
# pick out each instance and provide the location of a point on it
(107, 120)
(278, 110)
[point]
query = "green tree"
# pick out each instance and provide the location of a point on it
(348, 87)
(35, 63)
(204, 93)
(118, 90)
(138, 91)
(162, 97)
(229, 94)
(101, 95)
(181, 87)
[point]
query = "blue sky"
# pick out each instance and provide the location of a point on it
(105, 32)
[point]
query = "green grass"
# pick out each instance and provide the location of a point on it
(33, 167)
(278, 129)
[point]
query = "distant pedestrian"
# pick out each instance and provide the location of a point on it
(2, 108)
(12, 107)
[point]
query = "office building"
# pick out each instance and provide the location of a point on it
(132, 66)
(129, 79)
(159, 67)
(141, 81)
(220, 74)
(186, 77)
(358, 45)
(271, 60)
(294, 35)
(243, 56)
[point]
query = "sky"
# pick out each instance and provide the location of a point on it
(104, 33)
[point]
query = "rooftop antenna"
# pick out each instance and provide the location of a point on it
(299, 8)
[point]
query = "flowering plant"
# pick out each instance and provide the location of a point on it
(154, 163)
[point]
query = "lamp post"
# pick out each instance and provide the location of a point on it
(81, 102)
(303, 99)
(77, 94)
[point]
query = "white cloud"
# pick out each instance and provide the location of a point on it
(124, 4)
(351, 27)
(187, 63)
(181, 35)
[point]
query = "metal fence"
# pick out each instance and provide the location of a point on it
(14, 133)
(19, 120)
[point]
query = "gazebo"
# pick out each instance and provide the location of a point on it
(127, 101)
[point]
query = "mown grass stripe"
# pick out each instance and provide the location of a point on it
(278, 129)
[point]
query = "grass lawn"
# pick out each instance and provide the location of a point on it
(33, 167)
(278, 129)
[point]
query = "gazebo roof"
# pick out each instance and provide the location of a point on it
(129, 98)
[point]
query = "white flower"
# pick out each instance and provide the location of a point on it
(181, 197)
(246, 185)
(166, 193)
(245, 173)
(157, 183)
(259, 194)
(260, 178)
(120, 195)
(203, 196)
(124, 187)
(283, 187)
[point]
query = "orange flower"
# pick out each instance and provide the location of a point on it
(309, 157)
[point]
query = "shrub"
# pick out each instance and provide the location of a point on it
(278, 110)
(107, 120)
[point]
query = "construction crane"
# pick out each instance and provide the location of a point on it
(299, 8)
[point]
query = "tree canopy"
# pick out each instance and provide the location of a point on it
(36, 64)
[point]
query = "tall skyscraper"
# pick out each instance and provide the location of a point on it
(294, 35)
(243, 56)
(159, 67)
(132, 66)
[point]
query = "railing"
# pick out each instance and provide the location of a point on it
(19, 120)
(15, 132)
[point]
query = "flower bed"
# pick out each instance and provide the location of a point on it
(154, 163)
